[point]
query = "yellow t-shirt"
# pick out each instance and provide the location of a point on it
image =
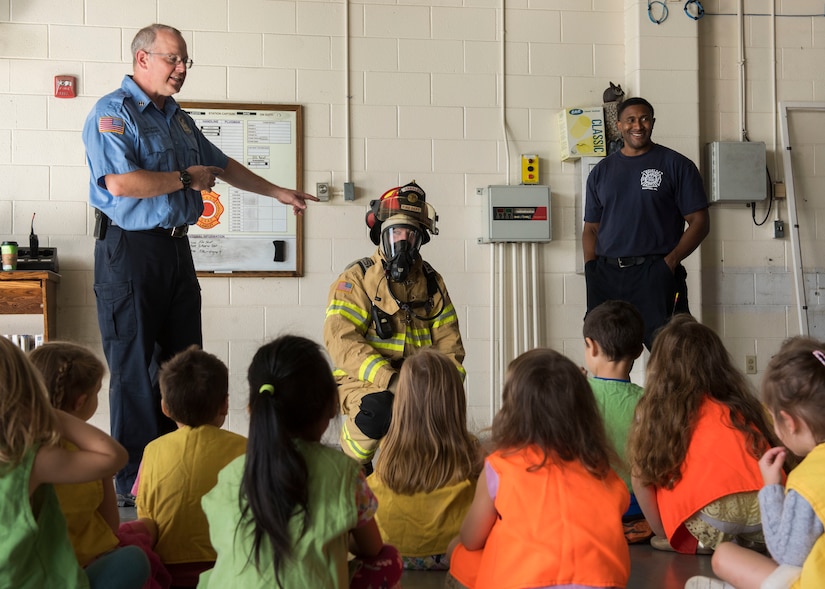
(178, 469)
(808, 479)
(422, 524)
(89, 533)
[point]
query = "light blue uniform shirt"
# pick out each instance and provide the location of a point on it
(126, 132)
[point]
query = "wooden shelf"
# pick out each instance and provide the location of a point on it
(31, 292)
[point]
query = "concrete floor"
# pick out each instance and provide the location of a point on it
(649, 568)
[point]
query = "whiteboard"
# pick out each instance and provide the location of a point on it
(241, 232)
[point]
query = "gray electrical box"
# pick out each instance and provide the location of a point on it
(516, 213)
(736, 172)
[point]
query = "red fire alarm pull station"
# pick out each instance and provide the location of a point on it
(64, 86)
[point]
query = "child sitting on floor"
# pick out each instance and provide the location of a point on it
(613, 339)
(696, 441)
(793, 388)
(548, 507)
(180, 467)
(35, 550)
(287, 513)
(73, 376)
(428, 463)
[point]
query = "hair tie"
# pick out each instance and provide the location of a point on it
(267, 388)
(819, 355)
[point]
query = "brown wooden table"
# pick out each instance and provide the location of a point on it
(31, 292)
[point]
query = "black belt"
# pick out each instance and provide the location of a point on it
(627, 261)
(176, 232)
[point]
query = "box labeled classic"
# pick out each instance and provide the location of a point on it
(581, 130)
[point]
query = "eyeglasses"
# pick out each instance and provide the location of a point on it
(174, 60)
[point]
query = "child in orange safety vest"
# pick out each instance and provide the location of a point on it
(695, 444)
(548, 508)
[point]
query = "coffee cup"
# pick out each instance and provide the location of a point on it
(8, 250)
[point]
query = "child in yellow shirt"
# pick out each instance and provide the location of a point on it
(182, 466)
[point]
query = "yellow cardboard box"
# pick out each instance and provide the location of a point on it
(581, 130)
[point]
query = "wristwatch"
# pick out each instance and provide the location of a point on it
(185, 179)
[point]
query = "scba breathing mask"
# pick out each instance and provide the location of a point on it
(400, 241)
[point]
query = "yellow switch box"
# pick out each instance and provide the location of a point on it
(529, 169)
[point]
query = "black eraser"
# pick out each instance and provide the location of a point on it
(280, 251)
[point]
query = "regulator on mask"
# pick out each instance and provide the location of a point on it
(400, 241)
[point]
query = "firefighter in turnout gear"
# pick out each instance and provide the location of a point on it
(382, 309)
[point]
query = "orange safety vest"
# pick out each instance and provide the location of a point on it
(717, 464)
(558, 525)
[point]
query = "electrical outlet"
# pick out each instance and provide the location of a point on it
(750, 364)
(778, 229)
(322, 191)
(349, 191)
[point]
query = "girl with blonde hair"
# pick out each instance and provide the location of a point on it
(428, 462)
(34, 549)
(73, 376)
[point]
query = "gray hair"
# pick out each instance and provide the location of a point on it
(145, 38)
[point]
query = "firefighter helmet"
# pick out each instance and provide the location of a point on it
(405, 205)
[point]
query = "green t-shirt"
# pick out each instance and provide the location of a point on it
(319, 557)
(35, 550)
(617, 403)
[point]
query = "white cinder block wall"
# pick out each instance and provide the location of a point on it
(426, 94)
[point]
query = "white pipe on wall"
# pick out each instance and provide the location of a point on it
(493, 338)
(514, 298)
(742, 100)
(348, 95)
(534, 273)
(526, 322)
(501, 345)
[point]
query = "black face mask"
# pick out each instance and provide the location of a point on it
(399, 265)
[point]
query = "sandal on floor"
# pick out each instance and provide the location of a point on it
(706, 583)
(660, 543)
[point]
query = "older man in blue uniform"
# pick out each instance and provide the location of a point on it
(148, 164)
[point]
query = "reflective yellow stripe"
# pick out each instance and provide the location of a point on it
(339, 372)
(370, 367)
(351, 312)
(389, 346)
(397, 339)
(461, 370)
(420, 338)
(447, 317)
(355, 446)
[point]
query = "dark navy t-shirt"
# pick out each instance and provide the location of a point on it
(640, 202)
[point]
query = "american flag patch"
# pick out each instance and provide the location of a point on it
(344, 285)
(110, 125)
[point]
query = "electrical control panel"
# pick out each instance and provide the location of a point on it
(516, 214)
(736, 172)
(530, 169)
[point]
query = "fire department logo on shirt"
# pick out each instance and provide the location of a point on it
(651, 179)
(184, 125)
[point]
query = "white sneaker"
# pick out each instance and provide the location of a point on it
(707, 583)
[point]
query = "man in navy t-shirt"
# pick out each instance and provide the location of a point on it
(646, 211)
